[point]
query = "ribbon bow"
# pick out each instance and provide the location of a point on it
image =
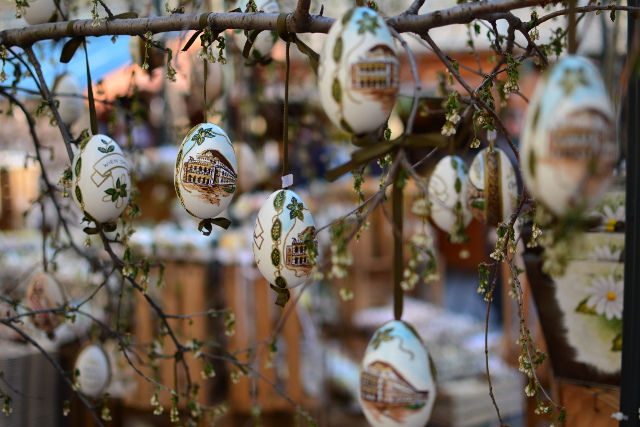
(208, 224)
(107, 227)
(283, 295)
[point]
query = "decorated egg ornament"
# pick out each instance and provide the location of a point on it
(70, 107)
(94, 371)
(265, 41)
(447, 195)
(43, 11)
(492, 187)
(397, 385)
(100, 178)
(279, 247)
(43, 292)
(358, 73)
(569, 146)
(206, 171)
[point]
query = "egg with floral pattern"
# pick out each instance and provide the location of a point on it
(492, 187)
(93, 370)
(397, 385)
(447, 196)
(569, 144)
(100, 179)
(358, 72)
(206, 171)
(283, 232)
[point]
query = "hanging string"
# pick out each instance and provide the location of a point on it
(285, 131)
(93, 117)
(397, 216)
(572, 43)
(204, 91)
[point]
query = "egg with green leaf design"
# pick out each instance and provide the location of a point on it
(206, 171)
(448, 196)
(100, 179)
(284, 240)
(397, 378)
(358, 72)
(569, 144)
(265, 40)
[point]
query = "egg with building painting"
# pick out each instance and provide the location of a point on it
(358, 73)
(93, 371)
(283, 232)
(100, 179)
(69, 93)
(44, 292)
(492, 187)
(43, 11)
(447, 195)
(206, 171)
(397, 384)
(569, 144)
(265, 40)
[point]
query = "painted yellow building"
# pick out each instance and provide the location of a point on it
(296, 255)
(209, 168)
(379, 70)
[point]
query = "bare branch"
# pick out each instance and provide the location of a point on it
(301, 17)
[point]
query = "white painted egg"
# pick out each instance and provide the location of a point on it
(492, 187)
(42, 11)
(569, 144)
(70, 107)
(206, 171)
(95, 372)
(358, 73)
(265, 41)
(100, 176)
(447, 194)
(279, 239)
(43, 292)
(397, 384)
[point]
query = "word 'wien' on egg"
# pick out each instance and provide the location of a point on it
(397, 386)
(94, 371)
(284, 227)
(358, 72)
(206, 171)
(569, 144)
(100, 179)
(447, 195)
(492, 188)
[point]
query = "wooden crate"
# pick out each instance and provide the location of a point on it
(257, 317)
(186, 292)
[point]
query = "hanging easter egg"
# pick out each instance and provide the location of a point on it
(358, 73)
(43, 293)
(94, 371)
(206, 171)
(70, 106)
(43, 11)
(492, 187)
(215, 80)
(397, 385)
(569, 145)
(100, 178)
(265, 40)
(447, 195)
(279, 247)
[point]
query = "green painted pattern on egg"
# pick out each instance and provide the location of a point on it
(278, 201)
(281, 282)
(276, 230)
(336, 91)
(78, 167)
(347, 16)
(275, 257)
(337, 50)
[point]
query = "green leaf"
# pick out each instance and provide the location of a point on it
(78, 168)
(281, 282)
(275, 257)
(278, 201)
(110, 191)
(102, 150)
(118, 183)
(336, 91)
(458, 185)
(300, 215)
(584, 308)
(532, 163)
(347, 16)
(123, 193)
(79, 195)
(293, 214)
(276, 230)
(111, 148)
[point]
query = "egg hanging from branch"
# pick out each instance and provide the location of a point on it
(69, 96)
(206, 171)
(569, 144)
(93, 371)
(359, 71)
(100, 179)
(397, 385)
(265, 40)
(447, 196)
(283, 234)
(43, 11)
